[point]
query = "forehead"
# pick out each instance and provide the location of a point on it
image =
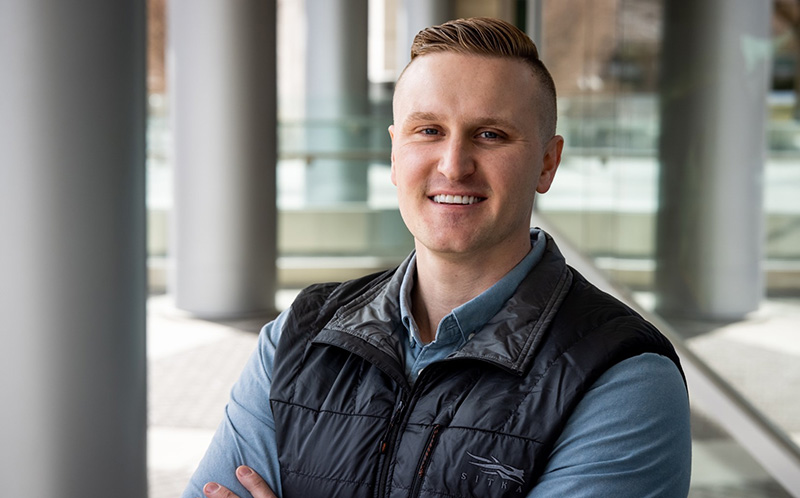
(458, 84)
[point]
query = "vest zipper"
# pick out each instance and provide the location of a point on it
(386, 447)
(389, 430)
(416, 485)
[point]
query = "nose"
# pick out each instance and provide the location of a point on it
(457, 161)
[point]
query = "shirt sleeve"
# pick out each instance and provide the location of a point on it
(628, 437)
(246, 435)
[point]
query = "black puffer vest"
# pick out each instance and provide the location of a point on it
(482, 422)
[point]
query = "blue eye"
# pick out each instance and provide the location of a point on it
(489, 134)
(430, 131)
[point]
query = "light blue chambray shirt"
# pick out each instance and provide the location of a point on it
(628, 437)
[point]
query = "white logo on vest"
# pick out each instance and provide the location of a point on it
(493, 467)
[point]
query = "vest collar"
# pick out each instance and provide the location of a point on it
(367, 325)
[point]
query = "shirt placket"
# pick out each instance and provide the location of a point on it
(448, 339)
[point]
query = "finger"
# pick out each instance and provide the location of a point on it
(214, 490)
(254, 483)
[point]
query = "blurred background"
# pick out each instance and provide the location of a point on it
(174, 173)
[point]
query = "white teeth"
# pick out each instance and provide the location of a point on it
(455, 199)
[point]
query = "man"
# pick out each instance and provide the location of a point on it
(483, 365)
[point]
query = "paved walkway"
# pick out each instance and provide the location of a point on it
(192, 366)
(193, 363)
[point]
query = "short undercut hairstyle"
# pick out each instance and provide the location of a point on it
(493, 38)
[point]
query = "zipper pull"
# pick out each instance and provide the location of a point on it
(387, 434)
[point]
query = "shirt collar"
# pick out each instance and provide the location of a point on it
(475, 313)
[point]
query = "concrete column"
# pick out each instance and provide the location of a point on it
(72, 219)
(222, 87)
(534, 22)
(337, 101)
(715, 73)
(414, 16)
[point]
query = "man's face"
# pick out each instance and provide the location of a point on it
(467, 156)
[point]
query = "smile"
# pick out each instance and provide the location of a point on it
(456, 199)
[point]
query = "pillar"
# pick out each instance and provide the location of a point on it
(222, 90)
(72, 219)
(534, 22)
(715, 73)
(337, 101)
(413, 17)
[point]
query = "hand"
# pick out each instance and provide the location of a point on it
(249, 479)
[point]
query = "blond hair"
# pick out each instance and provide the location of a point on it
(492, 38)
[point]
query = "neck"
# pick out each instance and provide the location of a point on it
(445, 282)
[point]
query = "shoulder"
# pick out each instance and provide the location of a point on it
(320, 301)
(603, 332)
(647, 384)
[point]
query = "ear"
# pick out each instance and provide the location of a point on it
(391, 136)
(550, 162)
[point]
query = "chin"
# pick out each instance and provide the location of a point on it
(450, 246)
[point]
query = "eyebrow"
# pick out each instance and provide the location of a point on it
(422, 116)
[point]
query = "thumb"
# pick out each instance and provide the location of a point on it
(254, 483)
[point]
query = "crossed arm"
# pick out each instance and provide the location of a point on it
(641, 450)
(629, 436)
